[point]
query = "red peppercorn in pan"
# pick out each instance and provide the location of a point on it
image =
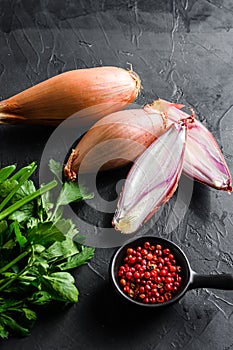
(150, 274)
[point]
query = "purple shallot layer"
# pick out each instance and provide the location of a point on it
(152, 180)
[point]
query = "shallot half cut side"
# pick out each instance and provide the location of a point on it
(152, 180)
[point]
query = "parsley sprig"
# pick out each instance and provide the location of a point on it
(37, 246)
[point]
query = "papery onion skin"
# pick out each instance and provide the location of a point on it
(203, 160)
(55, 99)
(114, 141)
(152, 180)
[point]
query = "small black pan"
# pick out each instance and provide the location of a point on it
(190, 278)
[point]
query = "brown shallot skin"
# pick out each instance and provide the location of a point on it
(55, 99)
(114, 141)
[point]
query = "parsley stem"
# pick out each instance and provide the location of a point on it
(22, 171)
(24, 178)
(27, 199)
(6, 172)
(55, 211)
(12, 279)
(14, 261)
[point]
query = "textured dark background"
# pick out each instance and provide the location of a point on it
(182, 51)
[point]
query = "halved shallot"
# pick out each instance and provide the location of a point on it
(152, 179)
(203, 159)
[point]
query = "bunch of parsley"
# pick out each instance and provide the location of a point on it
(37, 247)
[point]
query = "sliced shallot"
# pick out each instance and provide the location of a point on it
(152, 180)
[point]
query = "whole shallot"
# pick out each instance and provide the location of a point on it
(109, 89)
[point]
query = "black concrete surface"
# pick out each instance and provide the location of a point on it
(183, 52)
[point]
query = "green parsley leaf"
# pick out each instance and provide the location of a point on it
(22, 240)
(70, 192)
(56, 168)
(40, 298)
(3, 226)
(45, 233)
(37, 245)
(77, 259)
(3, 332)
(61, 286)
(15, 326)
(60, 250)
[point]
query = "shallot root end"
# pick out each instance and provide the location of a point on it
(68, 172)
(189, 120)
(136, 78)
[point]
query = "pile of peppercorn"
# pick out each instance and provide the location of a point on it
(150, 274)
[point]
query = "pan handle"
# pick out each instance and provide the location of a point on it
(221, 281)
